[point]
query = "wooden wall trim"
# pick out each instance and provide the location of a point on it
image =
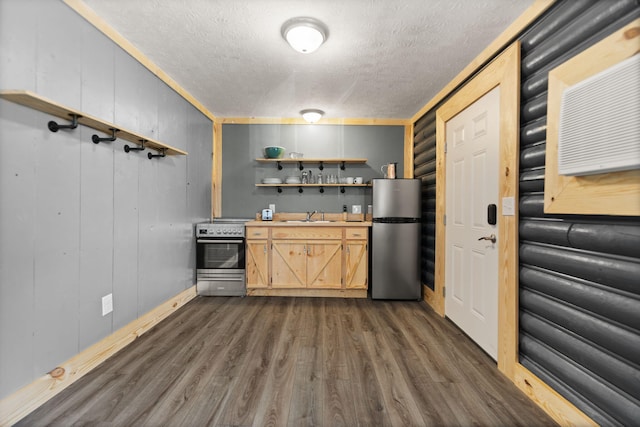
(436, 303)
(558, 408)
(504, 71)
(503, 40)
(301, 121)
(408, 151)
(19, 404)
(216, 171)
(614, 193)
(87, 13)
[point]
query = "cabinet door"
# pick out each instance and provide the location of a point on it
(257, 257)
(356, 264)
(288, 264)
(324, 264)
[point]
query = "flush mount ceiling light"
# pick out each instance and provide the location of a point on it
(311, 115)
(304, 34)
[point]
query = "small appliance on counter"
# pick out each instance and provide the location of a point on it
(220, 257)
(267, 214)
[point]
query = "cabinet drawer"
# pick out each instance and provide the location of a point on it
(257, 232)
(357, 233)
(306, 232)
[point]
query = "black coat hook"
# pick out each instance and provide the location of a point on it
(162, 154)
(128, 148)
(54, 127)
(96, 139)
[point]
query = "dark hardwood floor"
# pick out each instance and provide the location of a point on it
(228, 361)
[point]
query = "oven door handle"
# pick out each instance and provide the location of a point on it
(218, 241)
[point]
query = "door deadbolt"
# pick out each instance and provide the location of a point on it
(492, 238)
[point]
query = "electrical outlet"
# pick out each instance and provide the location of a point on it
(107, 304)
(356, 209)
(272, 206)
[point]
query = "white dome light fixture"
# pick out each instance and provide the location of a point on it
(312, 115)
(304, 34)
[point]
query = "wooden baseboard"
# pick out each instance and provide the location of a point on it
(558, 408)
(328, 293)
(432, 300)
(19, 404)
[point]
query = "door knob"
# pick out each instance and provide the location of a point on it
(492, 238)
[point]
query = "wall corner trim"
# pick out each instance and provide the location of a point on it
(94, 19)
(24, 401)
(498, 45)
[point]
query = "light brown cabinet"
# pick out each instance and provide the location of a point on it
(257, 262)
(356, 271)
(315, 264)
(307, 260)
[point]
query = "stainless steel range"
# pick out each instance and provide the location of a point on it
(220, 257)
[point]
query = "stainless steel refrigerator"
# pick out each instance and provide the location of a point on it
(395, 239)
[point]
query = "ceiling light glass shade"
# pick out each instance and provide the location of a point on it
(312, 115)
(304, 34)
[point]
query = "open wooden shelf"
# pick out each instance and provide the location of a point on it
(311, 160)
(313, 185)
(37, 102)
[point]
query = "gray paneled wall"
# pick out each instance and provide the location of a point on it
(579, 275)
(78, 220)
(242, 144)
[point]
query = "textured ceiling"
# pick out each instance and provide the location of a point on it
(383, 58)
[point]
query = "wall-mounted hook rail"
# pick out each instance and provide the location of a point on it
(128, 148)
(47, 106)
(54, 126)
(96, 139)
(162, 154)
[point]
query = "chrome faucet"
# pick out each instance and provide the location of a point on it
(310, 214)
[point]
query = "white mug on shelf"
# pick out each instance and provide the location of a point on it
(357, 180)
(349, 180)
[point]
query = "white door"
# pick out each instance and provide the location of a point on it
(471, 266)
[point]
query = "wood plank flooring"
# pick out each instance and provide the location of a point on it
(276, 361)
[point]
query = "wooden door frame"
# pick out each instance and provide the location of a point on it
(504, 71)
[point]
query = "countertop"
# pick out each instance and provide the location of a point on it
(280, 223)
